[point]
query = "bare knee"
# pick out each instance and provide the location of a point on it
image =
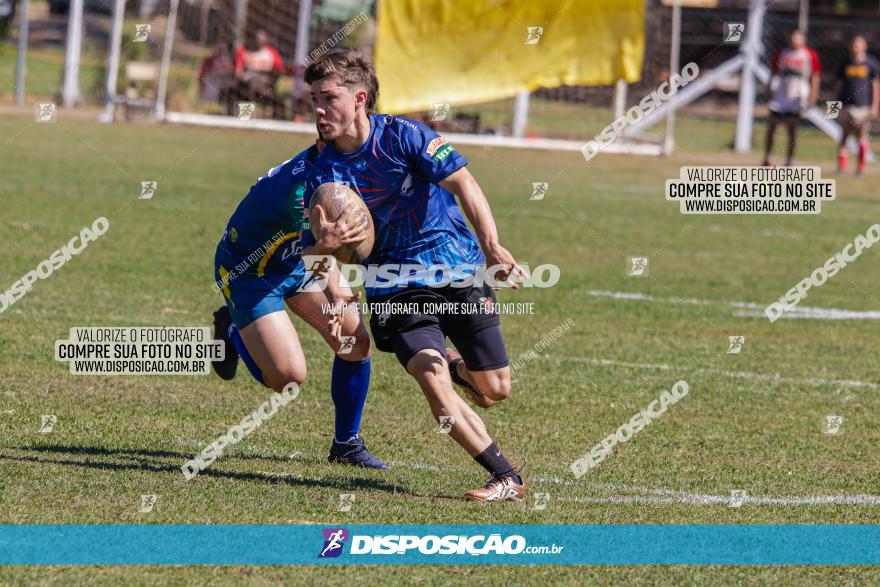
(357, 349)
(494, 385)
(431, 371)
(498, 391)
(428, 365)
(278, 379)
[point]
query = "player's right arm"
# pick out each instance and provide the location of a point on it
(344, 230)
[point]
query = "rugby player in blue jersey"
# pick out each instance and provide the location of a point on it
(258, 267)
(408, 176)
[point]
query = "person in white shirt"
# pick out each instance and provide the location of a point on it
(796, 76)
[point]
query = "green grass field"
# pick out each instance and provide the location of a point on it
(752, 421)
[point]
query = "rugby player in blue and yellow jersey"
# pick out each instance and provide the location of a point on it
(409, 176)
(258, 267)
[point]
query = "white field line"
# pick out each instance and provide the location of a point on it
(657, 496)
(700, 499)
(776, 378)
(747, 309)
(664, 496)
(649, 495)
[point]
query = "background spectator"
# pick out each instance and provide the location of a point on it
(216, 73)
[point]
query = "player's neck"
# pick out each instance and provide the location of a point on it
(355, 136)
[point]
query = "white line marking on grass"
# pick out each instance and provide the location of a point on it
(698, 499)
(781, 233)
(735, 374)
(622, 295)
(644, 495)
(807, 313)
(662, 496)
(666, 496)
(757, 310)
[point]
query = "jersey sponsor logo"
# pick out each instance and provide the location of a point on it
(408, 123)
(434, 145)
(390, 118)
(298, 168)
(444, 152)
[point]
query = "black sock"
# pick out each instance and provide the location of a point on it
(493, 461)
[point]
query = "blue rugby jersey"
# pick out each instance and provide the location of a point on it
(396, 172)
(265, 231)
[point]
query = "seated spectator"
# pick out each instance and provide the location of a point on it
(258, 70)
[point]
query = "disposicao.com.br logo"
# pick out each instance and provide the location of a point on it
(431, 544)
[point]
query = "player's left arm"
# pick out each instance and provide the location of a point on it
(476, 208)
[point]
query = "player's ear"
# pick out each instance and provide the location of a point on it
(360, 98)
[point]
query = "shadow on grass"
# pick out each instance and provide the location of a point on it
(146, 462)
(139, 453)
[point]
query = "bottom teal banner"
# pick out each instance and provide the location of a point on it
(148, 544)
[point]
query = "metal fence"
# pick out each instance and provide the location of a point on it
(208, 33)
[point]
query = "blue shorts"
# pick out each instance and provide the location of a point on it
(254, 293)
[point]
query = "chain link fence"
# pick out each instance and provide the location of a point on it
(211, 35)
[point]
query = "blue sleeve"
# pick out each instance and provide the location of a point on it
(430, 154)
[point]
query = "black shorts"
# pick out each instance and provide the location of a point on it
(795, 116)
(407, 322)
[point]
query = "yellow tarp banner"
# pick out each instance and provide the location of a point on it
(468, 51)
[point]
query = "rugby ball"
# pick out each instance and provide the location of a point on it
(334, 198)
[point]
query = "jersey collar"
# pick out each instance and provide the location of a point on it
(360, 150)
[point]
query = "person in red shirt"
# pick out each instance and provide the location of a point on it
(796, 73)
(257, 71)
(265, 59)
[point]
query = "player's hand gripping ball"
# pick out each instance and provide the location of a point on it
(334, 198)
